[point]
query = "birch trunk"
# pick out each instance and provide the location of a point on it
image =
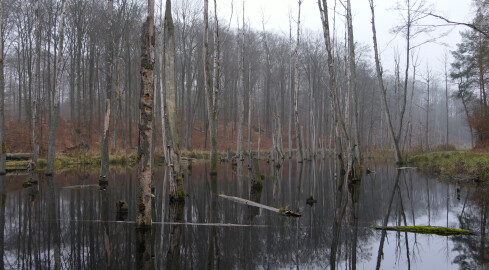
(296, 89)
(53, 126)
(383, 92)
(339, 124)
(109, 58)
(144, 172)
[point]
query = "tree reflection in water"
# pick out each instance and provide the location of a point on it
(472, 252)
(67, 222)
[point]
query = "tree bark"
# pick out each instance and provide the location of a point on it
(241, 86)
(352, 74)
(146, 120)
(109, 59)
(36, 89)
(3, 144)
(172, 134)
(298, 141)
(53, 126)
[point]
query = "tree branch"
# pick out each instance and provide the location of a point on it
(474, 27)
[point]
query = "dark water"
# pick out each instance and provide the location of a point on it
(65, 223)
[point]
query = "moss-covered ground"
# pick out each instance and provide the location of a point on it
(455, 164)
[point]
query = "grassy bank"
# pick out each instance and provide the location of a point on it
(92, 160)
(455, 164)
(64, 162)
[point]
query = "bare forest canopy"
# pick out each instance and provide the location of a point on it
(261, 63)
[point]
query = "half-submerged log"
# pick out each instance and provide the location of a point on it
(444, 231)
(19, 156)
(282, 211)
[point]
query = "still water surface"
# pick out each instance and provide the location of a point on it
(67, 222)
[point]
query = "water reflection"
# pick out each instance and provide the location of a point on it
(68, 222)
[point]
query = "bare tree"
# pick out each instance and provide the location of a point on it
(445, 69)
(212, 84)
(298, 141)
(3, 144)
(172, 135)
(383, 90)
(241, 92)
(53, 126)
(109, 63)
(36, 89)
(145, 140)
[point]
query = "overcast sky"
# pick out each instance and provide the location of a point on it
(277, 13)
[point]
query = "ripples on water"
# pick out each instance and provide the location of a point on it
(67, 222)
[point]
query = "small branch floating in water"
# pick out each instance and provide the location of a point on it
(406, 168)
(284, 212)
(444, 231)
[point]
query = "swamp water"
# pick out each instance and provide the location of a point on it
(68, 222)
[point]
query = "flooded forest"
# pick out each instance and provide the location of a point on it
(244, 134)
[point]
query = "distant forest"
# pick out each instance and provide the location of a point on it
(259, 74)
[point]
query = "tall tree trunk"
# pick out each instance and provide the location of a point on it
(383, 91)
(172, 135)
(53, 126)
(145, 139)
(339, 126)
(3, 144)
(241, 93)
(446, 101)
(36, 90)
(109, 59)
(298, 141)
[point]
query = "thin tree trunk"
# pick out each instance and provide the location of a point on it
(355, 143)
(3, 144)
(146, 120)
(36, 90)
(241, 86)
(397, 150)
(53, 126)
(300, 154)
(215, 94)
(104, 150)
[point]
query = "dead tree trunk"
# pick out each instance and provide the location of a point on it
(354, 144)
(146, 120)
(109, 59)
(53, 126)
(241, 86)
(36, 88)
(383, 91)
(340, 126)
(3, 144)
(298, 141)
(172, 135)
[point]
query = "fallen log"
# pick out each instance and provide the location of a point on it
(406, 168)
(19, 156)
(444, 231)
(282, 211)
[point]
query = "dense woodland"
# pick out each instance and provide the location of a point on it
(268, 81)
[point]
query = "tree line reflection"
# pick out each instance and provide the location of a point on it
(68, 222)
